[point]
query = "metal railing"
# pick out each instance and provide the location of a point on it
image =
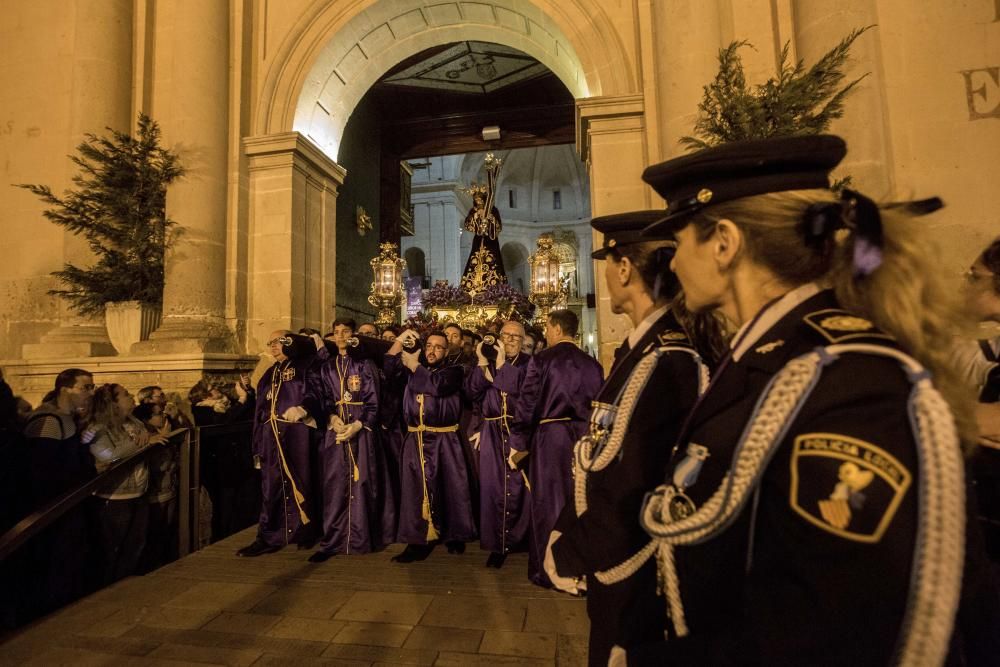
(187, 495)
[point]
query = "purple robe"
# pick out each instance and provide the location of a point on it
(349, 471)
(434, 477)
(283, 451)
(504, 503)
(553, 412)
(391, 434)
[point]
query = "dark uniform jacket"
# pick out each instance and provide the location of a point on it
(815, 569)
(609, 532)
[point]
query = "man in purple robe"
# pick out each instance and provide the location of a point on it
(347, 387)
(435, 500)
(504, 518)
(281, 450)
(553, 412)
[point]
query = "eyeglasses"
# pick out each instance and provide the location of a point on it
(510, 336)
(274, 341)
(432, 346)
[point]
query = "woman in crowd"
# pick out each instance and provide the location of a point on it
(808, 513)
(657, 376)
(119, 509)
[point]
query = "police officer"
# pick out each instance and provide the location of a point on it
(809, 510)
(600, 530)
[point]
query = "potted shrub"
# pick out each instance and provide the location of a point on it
(119, 205)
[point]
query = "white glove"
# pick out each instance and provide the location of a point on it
(617, 657)
(480, 357)
(411, 360)
(474, 440)
(294, 414)
(335, 423)
(318, 341)
(565, 584)
(349, 431)
(409, 334)
(501, 356)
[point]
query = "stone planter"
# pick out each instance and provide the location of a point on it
(129, 322)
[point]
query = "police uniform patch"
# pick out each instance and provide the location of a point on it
(769, 347)
(354, 382)
(671, 336)
(846, 486)
(838, 325)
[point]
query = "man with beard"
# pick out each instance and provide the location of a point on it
(281, 449)
(503, 498)
(435, 500)
(552, 414)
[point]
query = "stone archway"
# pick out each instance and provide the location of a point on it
(339, 51)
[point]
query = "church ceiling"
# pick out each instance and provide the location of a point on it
(469, 67)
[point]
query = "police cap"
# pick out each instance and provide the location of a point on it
(626, 228)
(741, 169)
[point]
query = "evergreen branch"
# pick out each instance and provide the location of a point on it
(798, 101)
(118, 204)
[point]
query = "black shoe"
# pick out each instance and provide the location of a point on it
(455, 547)
(257, 548)
(321, 557)
(413, 552)
(496, 560)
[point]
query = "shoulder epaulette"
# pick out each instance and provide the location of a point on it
(839, 326)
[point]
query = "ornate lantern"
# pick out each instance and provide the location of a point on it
(387, 288)
(547, 288)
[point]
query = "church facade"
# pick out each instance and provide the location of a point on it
(256, 97)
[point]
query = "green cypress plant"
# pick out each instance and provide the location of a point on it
(798, 101)
(118, 205)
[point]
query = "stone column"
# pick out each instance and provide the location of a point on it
(611, 140)
(686, 41)
(191, 103)
(293, 218)
(818, 27)
(100, 97)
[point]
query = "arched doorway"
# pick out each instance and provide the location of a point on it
(336, 53)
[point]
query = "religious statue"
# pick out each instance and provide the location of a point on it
(484, 268)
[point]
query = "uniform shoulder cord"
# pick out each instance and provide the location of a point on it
(587, 461)
(940, 543)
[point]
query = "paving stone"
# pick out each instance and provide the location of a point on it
(210, 654)
(285, 661)
(304, 601)
(525, 644)
(158, 617)
(452, 659)
(221, 595)
(567, 617)
(571, 650)
(114, 645)
(478, 613)
(315, 629)
(274, 645)
(250, 624)
(141, 592)
(373, 634)
(395, 656)
(83, 658)
(384, 608)
(444, 639)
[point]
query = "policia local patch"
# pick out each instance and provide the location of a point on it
(845, 486)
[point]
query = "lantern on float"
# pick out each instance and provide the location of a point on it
(387, 286)
(547, 287)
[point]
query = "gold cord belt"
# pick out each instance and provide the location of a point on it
(420, 429)
(273, 420)
(555, 419)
